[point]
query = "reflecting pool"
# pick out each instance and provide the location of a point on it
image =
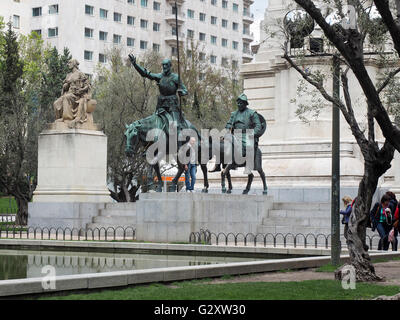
(17, 264)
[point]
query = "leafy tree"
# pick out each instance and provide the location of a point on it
(349, 46)
(22, 66)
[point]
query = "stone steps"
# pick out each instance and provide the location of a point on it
(115, 215)
(311, 222)
(302, 214)
(115, 220)
(119, 213)
(302, 206)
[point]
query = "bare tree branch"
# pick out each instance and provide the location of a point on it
(387, 80)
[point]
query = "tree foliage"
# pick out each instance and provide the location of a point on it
(23, 67)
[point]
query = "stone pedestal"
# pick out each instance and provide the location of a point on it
(171, 217)
(72, 166)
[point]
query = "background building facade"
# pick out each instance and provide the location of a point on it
(89, 28)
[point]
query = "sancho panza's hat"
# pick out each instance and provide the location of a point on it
(243, 97)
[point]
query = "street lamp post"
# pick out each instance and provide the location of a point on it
(335, 189)
(299, 24)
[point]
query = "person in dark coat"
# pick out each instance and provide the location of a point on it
(381, 221)
(393, 203)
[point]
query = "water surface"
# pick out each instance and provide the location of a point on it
(18, 264)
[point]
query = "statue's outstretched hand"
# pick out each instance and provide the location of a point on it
(132, 58)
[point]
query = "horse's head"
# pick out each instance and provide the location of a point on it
(132, 138)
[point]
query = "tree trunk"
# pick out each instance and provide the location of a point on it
(375, 166)
(22, 214)
(356, 236)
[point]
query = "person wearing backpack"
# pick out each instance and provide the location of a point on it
(393, 205)
(381, 218)
(348, 204)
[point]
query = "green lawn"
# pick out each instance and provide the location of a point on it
(5, 205)
(197, 290)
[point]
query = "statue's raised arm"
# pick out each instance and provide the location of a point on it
(142, 71)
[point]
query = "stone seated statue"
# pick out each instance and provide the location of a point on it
(75, 107)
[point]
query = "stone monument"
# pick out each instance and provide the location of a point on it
(72, 155)
(297, 155)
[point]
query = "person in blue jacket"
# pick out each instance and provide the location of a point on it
(348, 204)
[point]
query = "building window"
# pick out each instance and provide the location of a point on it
(143, 24)
(143, 3)
(224, 43)
(53, 9)
(235, 26)
(213, 20)
(89, 10)
(130, 42)
(156, 26)
(190, 34)
(143, 45)
(224, 62)
(213, 59)
(103, 13)
(117, 17)
(214, 2)
(202, 56)
(190, 14)
(235, 64)
(117, 39)
(36, 12)
(52, 32)
(103, 35)
(202, 17)
(88, 55)
(130, 20)
(102, 58)
(224, 4)
(235, 7)
(131, 2)
(235, 45)
(156, 47)
(189, 54)
(224, 23)
(202, 36)
(16, 21)
(156, 6)
(201, 76)
(88, 33)
(213, 40)
(174, 51)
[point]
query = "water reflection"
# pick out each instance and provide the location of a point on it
(28, 264)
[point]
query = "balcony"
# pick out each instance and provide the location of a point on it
(248, 36)
(248, 17)
(248, 2)
(170, 37)
(178, 2)
(170, 18)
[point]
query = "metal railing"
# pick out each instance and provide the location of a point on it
(58, 233)
(276, 240)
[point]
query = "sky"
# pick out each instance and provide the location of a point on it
(258, 8)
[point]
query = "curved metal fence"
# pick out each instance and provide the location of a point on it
(275, 240)
(57, 233)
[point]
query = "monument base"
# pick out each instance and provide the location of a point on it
(62, 214)
(172, 217)
(72, 166)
